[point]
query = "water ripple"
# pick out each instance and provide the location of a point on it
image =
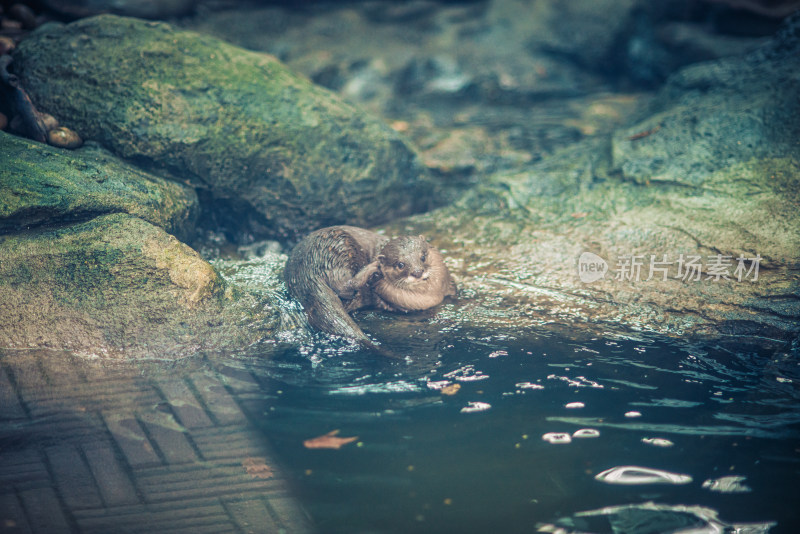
(659, 428)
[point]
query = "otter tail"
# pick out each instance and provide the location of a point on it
(326, 312)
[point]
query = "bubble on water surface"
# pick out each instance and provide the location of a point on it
(528, 385)
(574, 405)
(633, 414)
(728, 484)
(466, 374)
(658, 442)
(586, 433)
(473, 407)
(557, 437)
(578, 381)
(634, 475)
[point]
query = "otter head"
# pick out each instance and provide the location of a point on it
(404, 261)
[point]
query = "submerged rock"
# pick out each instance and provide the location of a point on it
(283, 154)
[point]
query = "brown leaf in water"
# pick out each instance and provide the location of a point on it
(257, 468)
(452, 389)
(328, 441)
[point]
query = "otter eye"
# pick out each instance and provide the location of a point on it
(424, 257)
(400, 265)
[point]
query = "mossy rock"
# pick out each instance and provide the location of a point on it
(712, 115)
(116, 286)
(713, 173)
(261, 139)
(44, 185)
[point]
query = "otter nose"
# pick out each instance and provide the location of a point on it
(417, 273)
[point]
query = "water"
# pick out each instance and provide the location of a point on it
(715, 427)
(643, 436)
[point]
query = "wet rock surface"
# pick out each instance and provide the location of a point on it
(89, 262)
(260, 141)
(543, 147)
(512, 101)
(115, 285)
(41, 185)
(710, 173)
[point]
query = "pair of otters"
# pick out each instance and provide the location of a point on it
(340, 269)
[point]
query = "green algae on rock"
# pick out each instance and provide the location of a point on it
(115, 285)
(43, 185)
(234, 122)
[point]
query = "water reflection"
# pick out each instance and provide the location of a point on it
(631, 474)
(651, 517)
(476, 437)
(420, 430)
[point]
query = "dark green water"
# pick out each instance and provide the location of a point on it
(423, 464)
(191, 446)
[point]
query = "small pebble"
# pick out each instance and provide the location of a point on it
(7, 44)
(64, 138)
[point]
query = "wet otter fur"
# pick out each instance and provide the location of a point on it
(414, 276)
(340, 269)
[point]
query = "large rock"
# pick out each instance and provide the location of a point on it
(710, 116)
(43, 185)
(269, 143)
(115, 285)
(710, 175)
(88, 262)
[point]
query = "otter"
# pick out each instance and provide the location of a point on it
(340, 269)
(414, 276)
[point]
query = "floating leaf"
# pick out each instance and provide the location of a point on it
(328, 441)
(452, 389)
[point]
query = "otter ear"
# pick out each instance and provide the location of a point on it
(422, 237)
